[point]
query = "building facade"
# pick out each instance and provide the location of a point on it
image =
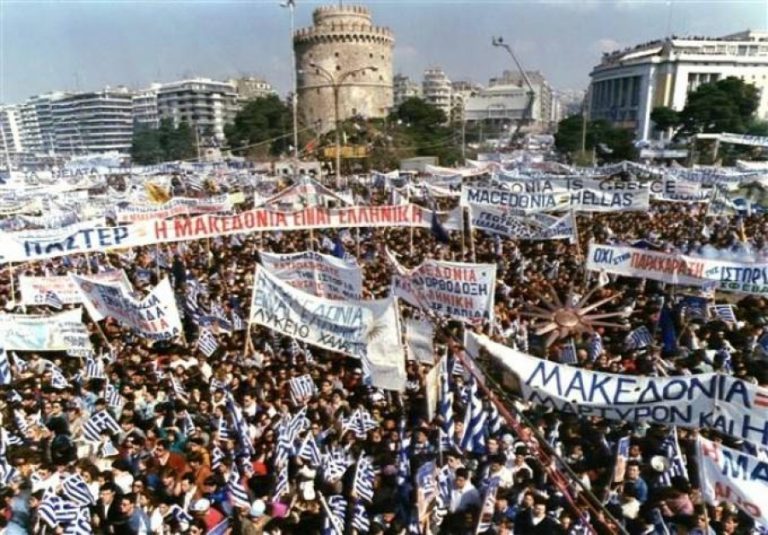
(251, 88)
(206, 105)
(627, 85)
(462, 90)
(404, 88)
(93, 122)
(145, 114)
(10, 130)
(343, 55)
(437, 90)
(544, 110)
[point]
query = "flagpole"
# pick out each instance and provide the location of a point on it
(471, 237)
(462, 235)
(13, 284)
(339, 531)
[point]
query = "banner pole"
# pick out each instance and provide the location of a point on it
(13, 284)
(462, 235)
(471, 238)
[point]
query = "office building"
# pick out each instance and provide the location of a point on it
(627, 85)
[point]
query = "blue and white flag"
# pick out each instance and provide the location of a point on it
(622, 455)
(495, 422)
(445, 405)
(94, 369)
(5, 368)
(360, 423)
(639, 338)
(81, 525)
(281, 485)
(595, 346)
(360, 520)
(334, 523)
(97, 424)
(56, 511)
(485, 521)
(179, 514)
(364, 476)
(52, 300)
(474, 422)
(724, 313)
(568, 353)
(302, 388)
(207, 343)
(238, 496)
(671, 450)
(309, 451)
(75, 489)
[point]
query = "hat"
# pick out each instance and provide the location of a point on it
(258, 508)
(200, 506)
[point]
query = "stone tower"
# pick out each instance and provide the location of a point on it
(339, 50)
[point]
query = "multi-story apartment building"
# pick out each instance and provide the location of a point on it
(251, 88)
(206, 105)
(93, 122)
(544, 107)
(145, 112)
(627, 85)
(404, 88)
(436, 89)
(10, 131)
(461, 90)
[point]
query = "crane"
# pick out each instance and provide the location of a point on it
(528, 110)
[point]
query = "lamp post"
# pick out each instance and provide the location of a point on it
(336, 84)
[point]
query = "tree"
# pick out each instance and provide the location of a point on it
(665, 118)
(611, 143)
(165, 143)
(723, 106)
(260, 128)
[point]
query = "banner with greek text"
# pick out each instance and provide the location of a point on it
(35, 289)
(368, 330)
(155, 317)
(534, 226)
(724, 403)
(724, 275)
(175, 207)
(460, 291)
(59, 332)
(91, 236)
(732, 476)
(317, 274)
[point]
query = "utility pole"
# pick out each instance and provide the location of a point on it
(291, 5)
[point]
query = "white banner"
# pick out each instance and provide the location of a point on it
(155, 317)
(732, 476)
(175, 207)
(432, 387)
(460, 291)
(724, 275)
(672, 190)
(744, 139)
(731, 406)
(317, 274)
(34, 289)
(367, 330)
(92, 236)
(535, 226)
(561, 195)
(60, 332)
(419, 336)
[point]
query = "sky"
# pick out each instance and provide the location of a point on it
(89, 44)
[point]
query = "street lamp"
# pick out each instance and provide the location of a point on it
(336, 83)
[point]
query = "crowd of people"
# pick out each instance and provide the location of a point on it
(200, 443)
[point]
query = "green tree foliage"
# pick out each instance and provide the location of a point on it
(260, 120)
(610, 143)
(723, 106)
(665, 117)
(166, 143)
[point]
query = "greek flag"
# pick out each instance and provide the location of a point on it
(302, 388)
(56, 511)
(94, 369)
(98, 423)
(5, 368)
(639, 338)
(75, 489)
(360, 520)
(207, 343)
(241, 427)
(20, 419)
(403, 457)
(334, 525)
(724, 313)
(187, 425)
(237, 322)
(52, 300)
(568, 353)
(595, 346)
(238, 496)
(494, 419)
(223, 429)
(216, 457)
(281, 486)
(309, 451)
(484, 523)
(360, 423)
(671, 450)
(334, 470)
(179, 514)
(178, 389)
(363, 483)
(474, 422)
(107, 449)
(81, 525)
(58, 380)
(445, 406)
